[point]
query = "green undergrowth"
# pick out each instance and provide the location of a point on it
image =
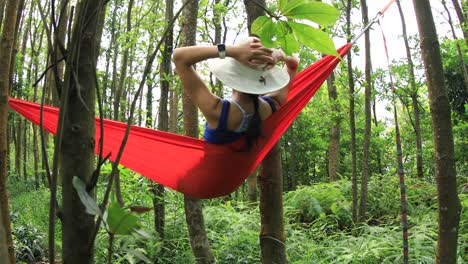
(318, 226)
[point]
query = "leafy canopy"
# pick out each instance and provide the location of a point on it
(284, 30)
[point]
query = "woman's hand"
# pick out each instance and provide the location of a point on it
(253, 54)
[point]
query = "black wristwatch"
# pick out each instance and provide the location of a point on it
(221, 50)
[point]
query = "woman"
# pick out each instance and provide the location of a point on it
(249, 69)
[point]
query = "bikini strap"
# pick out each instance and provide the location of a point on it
(269, 100)
(244, 113)
(222, 123)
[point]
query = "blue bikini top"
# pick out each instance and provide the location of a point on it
(220, 135)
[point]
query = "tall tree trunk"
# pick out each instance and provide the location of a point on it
(463, 67)
(2, 11)
(335, 131)
(193, 210)
(447, 196)
(414, 98)
(272, 238)
(367, 131)
(352, 116)
(120, 88)
(77, 130)
(6, 50)
(461, 14)
(253, 11)
(163, 120)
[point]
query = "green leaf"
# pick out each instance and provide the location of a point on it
(282, 4)
(288, 44)
(119, 221)
(291, 5)
(318, 12)
(265, 28)
(88, 201)
(314, 38)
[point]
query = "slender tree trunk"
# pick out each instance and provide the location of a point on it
(414, 97)
(335, 131)
(120, 88)
(6, 50)
(459, 50)
(376, 124)
(193, 211)
(272, 238)
(163, 120)
(367, 130)
(461, 14)
(447, 195)
(2, 11)
(292, 150)
(253, 11)
(352, 116)
(78, 136)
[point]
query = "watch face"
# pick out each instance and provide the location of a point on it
(221, 47)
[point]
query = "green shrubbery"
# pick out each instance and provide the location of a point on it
(318, 227)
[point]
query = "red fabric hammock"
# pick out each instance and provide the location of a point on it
(189, 165)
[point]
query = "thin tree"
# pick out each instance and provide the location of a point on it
(272, 237)
(414, 97)
(447, 196)
(193, 210)
(335, 130)
(461, 14)
(367, 111)
(352, 116)
(6, 50)
(163, 120)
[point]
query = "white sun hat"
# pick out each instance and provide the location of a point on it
(248, 80)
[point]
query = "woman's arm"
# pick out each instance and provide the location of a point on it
(252, 54)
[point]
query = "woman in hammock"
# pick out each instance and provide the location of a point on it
(258, 87)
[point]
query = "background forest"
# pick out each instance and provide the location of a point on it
(328, 192)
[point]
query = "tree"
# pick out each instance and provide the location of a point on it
(76, 131)
(193, 210)
(334, 144)
(447, 196)
(6, 51)
(272, 237)
(414, 97)
(367, 111)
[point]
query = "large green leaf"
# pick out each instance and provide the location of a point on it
(291, 5)
(265, 28)
(318, 12)
(288, 44)
(119, 221)
(314, 38)
(88, 201)
(282, 4)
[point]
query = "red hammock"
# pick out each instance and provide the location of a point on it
(189, 165)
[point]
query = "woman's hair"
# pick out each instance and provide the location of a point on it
(254, 131)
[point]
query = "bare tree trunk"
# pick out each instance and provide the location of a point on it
(163, 120)
(447, 196)
(272, 237)
(367, 130)
(193, 210)
(6, 50)
(2, 11)
(414, 98)
(461, 14)
(459, 50)
(335, 131)
(76, 122)
(352, 116)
